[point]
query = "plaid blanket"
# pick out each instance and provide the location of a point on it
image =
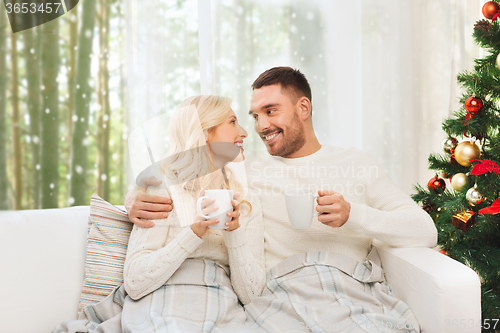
(308, 292)
(197, 298)
(328, 292)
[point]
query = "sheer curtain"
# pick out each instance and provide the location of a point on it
(382, 72)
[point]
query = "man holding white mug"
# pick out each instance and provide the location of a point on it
(332, 261)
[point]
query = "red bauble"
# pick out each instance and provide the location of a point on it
(443, 252)
(473, 105)
(490, 8)
(436, 184)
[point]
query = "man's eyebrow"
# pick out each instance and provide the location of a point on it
(267, 106)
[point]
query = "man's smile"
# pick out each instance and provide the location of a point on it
(270, 138)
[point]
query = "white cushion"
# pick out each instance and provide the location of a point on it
(42, 255)
(444, 294)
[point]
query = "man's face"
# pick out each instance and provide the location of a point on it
(276, 121)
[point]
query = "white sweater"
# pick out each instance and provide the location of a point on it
(154, 254)
(379, 209)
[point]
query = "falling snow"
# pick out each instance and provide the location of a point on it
(78, 169)
(104, 177)
(71, 201)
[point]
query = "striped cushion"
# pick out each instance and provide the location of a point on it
(109, 231)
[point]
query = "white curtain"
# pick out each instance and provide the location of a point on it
(382, 72)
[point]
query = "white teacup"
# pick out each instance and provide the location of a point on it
(223, 200)
(300, 206)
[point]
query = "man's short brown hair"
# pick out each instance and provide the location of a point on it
(292, 81)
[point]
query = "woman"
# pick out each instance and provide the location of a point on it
(177, 278)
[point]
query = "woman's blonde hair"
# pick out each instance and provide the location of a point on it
(189, 160)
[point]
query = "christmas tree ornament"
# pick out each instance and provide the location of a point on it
(490, 8)
(436, 184)
(464, 220)
(466, 151)
(473, 105)
(498, 61)
(482, 25)
(473, 196)
(428, 206)
(459, 181)
(485, 166)
(449, 144)
(493, 209)
(443, 252)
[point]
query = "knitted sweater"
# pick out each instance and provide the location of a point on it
(154, 254)
(379, 209)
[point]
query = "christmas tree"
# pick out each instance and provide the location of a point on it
(467, 217)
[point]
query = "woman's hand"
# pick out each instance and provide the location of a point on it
(200, 226)
(235, 214)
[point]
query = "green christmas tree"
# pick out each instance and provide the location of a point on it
(467, 217)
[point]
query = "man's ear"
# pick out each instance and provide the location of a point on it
(304, 107)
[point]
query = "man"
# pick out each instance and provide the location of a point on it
(323, 278)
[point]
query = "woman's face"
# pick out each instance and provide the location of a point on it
(229, 131)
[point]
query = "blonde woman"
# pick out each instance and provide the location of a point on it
(183, 279)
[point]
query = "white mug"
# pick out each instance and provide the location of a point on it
(223, 200)
(300, 207)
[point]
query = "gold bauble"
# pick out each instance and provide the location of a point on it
(459, 180)
(466, 151)
(498, 61)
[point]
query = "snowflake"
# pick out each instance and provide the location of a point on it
(78, 169)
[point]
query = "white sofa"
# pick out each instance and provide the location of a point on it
(42, 255)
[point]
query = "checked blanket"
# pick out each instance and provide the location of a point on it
(328, 292)
(315, 292)
(197, 298)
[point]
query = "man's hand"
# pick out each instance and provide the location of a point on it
(141, 205)
(334, 210)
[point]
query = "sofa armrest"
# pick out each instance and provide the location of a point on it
(444, 294)
(42, 259)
